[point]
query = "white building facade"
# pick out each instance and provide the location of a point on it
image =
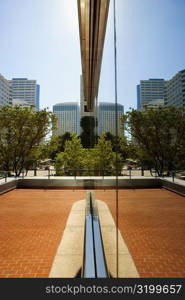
(107, 117)
(5, 92)
(26, 90)
(175, 90)
(158, 92)
(68, 117)
(149, 91)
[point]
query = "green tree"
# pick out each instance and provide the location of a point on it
(104, 156)
(21, 132)
(119, 144)
(160, 135)
(89, 162)
(143, 159)
(100, 160)
(88, 137)
(71, 160)
(110, 137)
(60, 141)
(59, 164)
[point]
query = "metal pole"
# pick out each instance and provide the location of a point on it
(173, 176)
(142, 171)
(116, 127)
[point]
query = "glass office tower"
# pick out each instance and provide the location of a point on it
(5, 92)
(107, 117)
(150, 90)
(26, 90)
(68, 117)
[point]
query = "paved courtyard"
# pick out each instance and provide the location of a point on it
(152, 223)
(31, 226)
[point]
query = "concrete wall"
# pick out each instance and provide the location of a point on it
(8, 186)
(174, 187)
(86, 183)
(89, 183)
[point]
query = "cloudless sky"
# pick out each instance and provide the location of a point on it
(39, 39)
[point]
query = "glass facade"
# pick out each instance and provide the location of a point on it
(169, 92)
(68, 117)
(5, 92)
(26, 90)
(150, 90)
(107, 117)
(175, 90)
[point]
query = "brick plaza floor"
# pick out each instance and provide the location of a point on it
(31, 226)
(152, 223)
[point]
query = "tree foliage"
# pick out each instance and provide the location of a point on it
(159, 134)
(71, 159)
(104, 155)
(119, 144)
(21, 132)
(88, 137)
(60, 141)
(100, 160)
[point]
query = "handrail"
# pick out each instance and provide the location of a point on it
(94, 262)
(4, 175)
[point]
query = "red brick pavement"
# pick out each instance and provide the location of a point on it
(31, 225)
(152, 223)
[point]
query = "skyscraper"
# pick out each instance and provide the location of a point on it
(175, 90)
(158, 92)
(26, 90)
(5, 92)
(68, 115)
(150, 90)
(107, 117)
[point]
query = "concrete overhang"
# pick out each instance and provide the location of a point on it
(93, 16)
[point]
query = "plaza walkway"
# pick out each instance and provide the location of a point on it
(151, 221)
(31, 226)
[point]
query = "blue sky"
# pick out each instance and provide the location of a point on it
(40, 40)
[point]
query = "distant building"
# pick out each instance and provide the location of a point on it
(107, 117)
(157, 92)
(22, 103)
(5, 92)
(26, 90)
(150, 90)
(155, 103)
(68, 115)
(175, 90)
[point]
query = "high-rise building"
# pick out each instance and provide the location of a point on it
(158, 92)
(68, 117)
(175, 90)
(22, 103)
(26, 90)
(5, 92)
(150, 90)
(155, 103)
(107, 117)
